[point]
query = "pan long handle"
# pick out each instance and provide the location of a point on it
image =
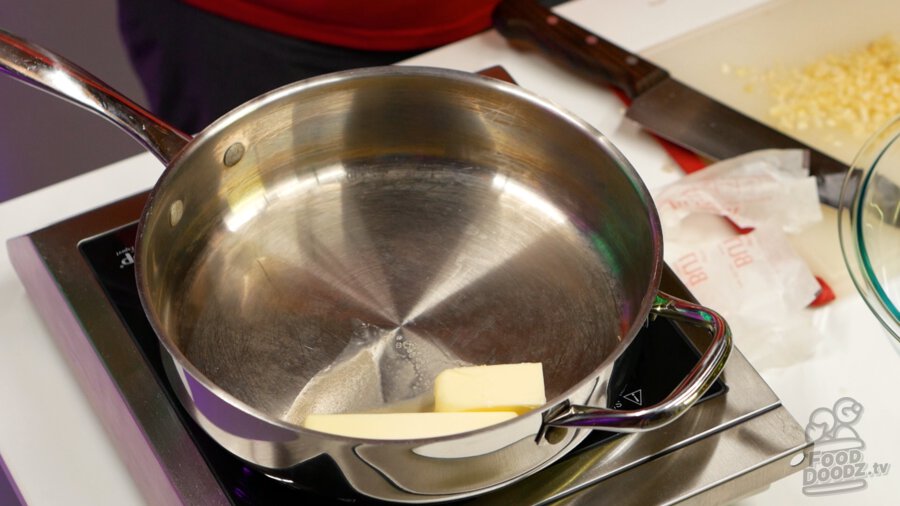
(52, 73)
(689, 391)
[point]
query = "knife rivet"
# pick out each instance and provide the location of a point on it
(591, 40)
(552, 20)
(631, 60)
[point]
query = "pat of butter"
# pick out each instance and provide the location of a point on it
(503, 387)
(403, 425)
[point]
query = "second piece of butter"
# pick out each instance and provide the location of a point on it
(503, 387)
(399, 426)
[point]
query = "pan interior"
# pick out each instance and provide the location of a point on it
(355, 296)
(472, 228)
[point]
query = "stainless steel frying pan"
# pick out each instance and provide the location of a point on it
(334, 244)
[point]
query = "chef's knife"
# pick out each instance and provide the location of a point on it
(659, 103)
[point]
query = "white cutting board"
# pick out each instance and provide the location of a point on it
(790, 33)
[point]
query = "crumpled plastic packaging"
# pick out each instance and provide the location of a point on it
(755, 280)
(768, 187)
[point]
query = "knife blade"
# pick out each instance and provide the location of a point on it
(658, 102)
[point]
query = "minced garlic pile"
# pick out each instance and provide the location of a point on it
(858, 91)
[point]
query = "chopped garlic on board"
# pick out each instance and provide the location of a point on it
(857, 91)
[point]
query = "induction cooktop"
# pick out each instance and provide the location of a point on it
(79, 273)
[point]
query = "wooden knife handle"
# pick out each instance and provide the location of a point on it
(529, 24)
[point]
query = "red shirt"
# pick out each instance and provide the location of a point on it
(378, 25)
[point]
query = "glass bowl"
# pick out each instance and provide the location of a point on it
(869, 224)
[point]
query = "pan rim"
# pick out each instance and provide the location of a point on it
(249, 107)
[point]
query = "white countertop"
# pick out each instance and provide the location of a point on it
(58, 453)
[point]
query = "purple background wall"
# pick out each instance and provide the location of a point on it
(43, 139)
(9, 492)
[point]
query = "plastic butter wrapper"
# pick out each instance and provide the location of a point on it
(755, 280)
(763, 187)
(756, 275)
